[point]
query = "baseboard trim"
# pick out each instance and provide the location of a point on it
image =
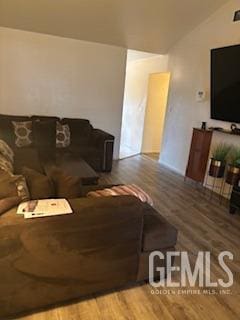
(174, 169)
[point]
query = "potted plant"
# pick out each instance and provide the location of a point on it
(219, 159)
(233, 171)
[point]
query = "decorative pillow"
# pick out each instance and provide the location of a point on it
(39, 185)
(63, 135)
(128, 190)
(5, 164)
(23, 133)
(6, 151)
(66, 186)
(9, 203)
(13, 186)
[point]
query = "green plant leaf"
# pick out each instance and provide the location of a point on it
(221, 151)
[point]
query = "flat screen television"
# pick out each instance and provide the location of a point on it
(225, 84)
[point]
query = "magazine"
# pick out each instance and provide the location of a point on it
(44, 208)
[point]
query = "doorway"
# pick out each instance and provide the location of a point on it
(144, 108)
(158, 87)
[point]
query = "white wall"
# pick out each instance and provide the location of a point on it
(189, 64)
(135, 99)
(48, 75)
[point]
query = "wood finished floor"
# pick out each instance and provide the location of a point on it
(202, 225)
(152, 155)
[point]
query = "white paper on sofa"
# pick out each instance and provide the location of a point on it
(44, 208)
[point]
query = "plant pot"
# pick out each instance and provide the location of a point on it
(217, 168)
(233, 175)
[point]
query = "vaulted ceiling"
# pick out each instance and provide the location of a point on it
(147, 25)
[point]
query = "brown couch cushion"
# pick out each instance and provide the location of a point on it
(39, 185)
(91, 155)
(157, 232)
(44, 118)
(8, 203)
(80, 131)
(27, 157)
(66, 186)
(44, 133)
(77, 167)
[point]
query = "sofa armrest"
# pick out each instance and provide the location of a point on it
(99, 137)
(104, 142)
(158, 233)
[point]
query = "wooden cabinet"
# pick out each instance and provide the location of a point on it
(198, 156)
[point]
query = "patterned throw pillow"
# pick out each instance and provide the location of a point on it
(5, 164)
(23, 133)
(22, 188)
(13, 186)
(123, 190)
(63, 135)
(6, 151)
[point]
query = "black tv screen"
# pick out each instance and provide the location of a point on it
(225, 84)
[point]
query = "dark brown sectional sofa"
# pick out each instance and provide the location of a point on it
(92, 145)
(104, 245)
